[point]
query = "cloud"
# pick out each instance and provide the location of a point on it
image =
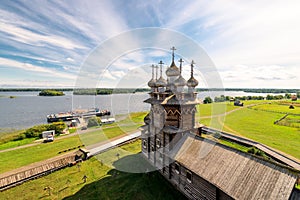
(34, 68)
(270, 76)
(33, 83)
(29, 37)
(254, 34)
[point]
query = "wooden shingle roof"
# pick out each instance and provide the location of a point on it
(238, 174)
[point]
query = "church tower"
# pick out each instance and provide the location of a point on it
(172, 114)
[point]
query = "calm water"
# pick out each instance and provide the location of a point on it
(29, 109)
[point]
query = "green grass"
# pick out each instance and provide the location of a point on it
(72, 130)
(7, 135)
(12, 144)
(275, 107)
(129, 124)
(291, 121)
(25, 156)
(259, 126)
(214, 108)
(206, 110)
(233, 145)
(103, 182)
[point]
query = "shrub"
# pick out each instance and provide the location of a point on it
(257, 152)
(93, 121)
(36, 131)
(207, 100)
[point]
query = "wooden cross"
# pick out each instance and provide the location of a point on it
(173, 49)
(192, 68)
(161, 63)
(181, 61)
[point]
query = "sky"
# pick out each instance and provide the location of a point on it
(252, 44)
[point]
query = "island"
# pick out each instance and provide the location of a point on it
(51, 93)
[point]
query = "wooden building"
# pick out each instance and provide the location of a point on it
(200, 168)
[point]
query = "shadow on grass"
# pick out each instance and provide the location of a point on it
(124, 185)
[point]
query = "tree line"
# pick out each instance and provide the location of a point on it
(224, 98)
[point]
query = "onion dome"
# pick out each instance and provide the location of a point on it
(192, 82)
(180, 81)
(152, 82)
(173, 70)
(161, 82)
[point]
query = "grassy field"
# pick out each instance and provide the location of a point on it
(205, 110)
(103, 182)
(259, 126)
(276, 107)
(12, 144)
(22, 157)
(291, 121)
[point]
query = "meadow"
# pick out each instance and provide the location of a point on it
(22, 157)
(258, 124)
(103, 182)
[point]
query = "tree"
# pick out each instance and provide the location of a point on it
(207, 100)
(270, 97)
(287, 95)
(58, 127)
(51, 93)
(93, 121)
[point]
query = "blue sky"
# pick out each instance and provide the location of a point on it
(253, 44)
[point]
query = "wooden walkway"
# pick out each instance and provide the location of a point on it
(284, 158)
(34, 170)
(112, 143)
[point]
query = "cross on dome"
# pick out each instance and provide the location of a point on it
(173, 49)
(181, 61)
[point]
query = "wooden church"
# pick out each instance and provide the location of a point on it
(200, 168)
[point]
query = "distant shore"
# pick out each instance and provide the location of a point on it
(105, 91)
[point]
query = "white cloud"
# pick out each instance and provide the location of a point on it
(29, 37)
(269, 76)
(34, 68)
(33, 83)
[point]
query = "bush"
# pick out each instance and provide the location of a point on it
(36, 131)
(58, 127)
(257, 152)
(51, 93)
(207, 100)
(93, 121)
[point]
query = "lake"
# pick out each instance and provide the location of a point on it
(29, 109)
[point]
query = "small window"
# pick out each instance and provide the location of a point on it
(157, 142)
(177, 168)
(152, 147)
(144, 144)
(189, 176)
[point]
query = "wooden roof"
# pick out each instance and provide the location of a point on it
(238, 174)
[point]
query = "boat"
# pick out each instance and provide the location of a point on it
(68, 116)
